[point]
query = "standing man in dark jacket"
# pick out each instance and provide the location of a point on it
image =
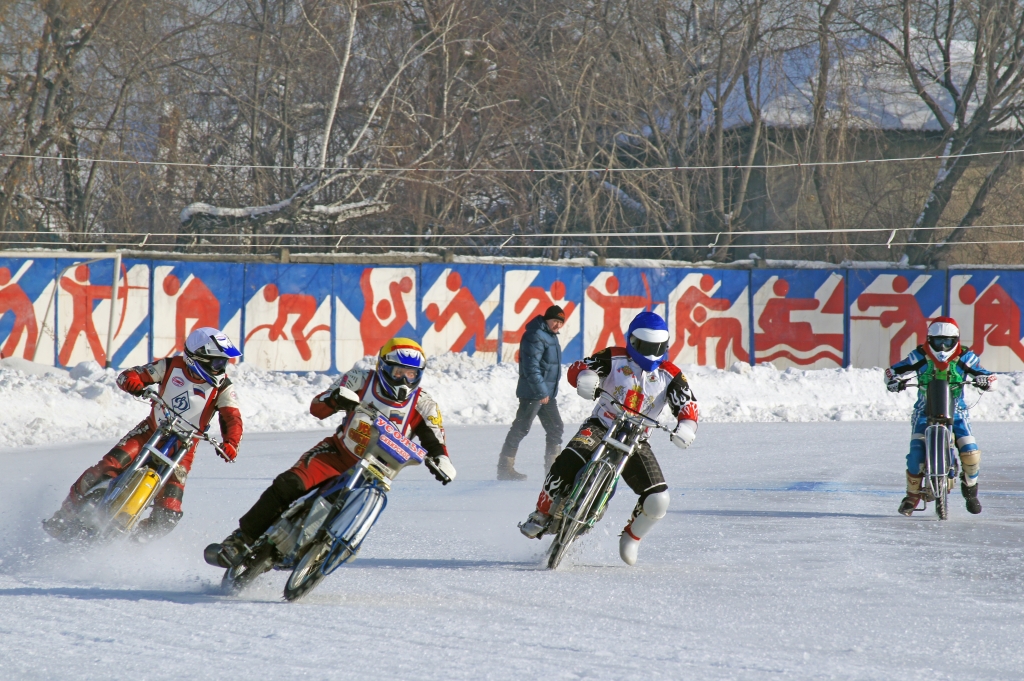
(540, 367)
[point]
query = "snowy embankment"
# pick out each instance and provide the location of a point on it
(41, 405)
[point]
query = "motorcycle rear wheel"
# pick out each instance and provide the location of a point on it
(237, 578)
(308, 573)
(574, 523)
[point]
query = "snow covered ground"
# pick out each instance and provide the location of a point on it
(781, 557)
(40, 405)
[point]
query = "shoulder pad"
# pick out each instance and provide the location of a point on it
(670, 368)
(616, 351)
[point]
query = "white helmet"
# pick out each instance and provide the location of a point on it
(207, 352)
(943, 339)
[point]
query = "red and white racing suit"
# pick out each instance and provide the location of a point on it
(193, 398)
(417, 416)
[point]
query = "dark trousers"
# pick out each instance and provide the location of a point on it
(528, 410)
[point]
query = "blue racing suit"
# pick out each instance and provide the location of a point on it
(965, 364)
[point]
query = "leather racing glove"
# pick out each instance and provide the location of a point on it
(985, 382)
(587, 383)
(684, 435)
(893, 383)
(442, 468)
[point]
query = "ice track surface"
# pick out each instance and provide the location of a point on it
(782, 556)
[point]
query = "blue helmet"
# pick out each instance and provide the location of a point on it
(647, 340)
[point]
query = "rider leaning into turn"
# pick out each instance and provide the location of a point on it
(195, 385)
(393, 388)
(941, 356)
(639, 377)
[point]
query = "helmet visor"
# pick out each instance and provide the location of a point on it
(402, 374)
(217, 365)
(648, 348)
(943, 343)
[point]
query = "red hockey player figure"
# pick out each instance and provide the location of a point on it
(83, 295)
(13, 299)
(612, 306)
(372, 330)
(196, 302)
(639, 377)
(301, 305)
(907, 312)
(392, 388)
(464, 306)
(199, 374)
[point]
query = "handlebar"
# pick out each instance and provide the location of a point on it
(154, 398)
(654, 422)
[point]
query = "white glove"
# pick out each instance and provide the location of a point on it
(685, 434)
(442, 468)
(587, 383)
(149, 393)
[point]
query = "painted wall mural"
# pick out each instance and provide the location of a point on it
(299, 317)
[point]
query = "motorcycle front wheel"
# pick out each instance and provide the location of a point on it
(242, 575)
(575, 522)
(308, 572)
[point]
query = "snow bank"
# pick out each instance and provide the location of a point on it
(40, 405)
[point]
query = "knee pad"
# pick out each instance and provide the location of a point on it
(647, 513)
(971, 462)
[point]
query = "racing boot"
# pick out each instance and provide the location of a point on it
(540, 521)
(645, 516)
(910, 502)
(506, 461)
(64, 525)
(229, 552)
(970, 497)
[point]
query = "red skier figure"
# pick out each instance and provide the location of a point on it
(195, 302)
(542, 301)
(371, 330)
(779, 329)
(196, 380)
(612, 305)
(464, 306)
(13, 299)
(83, 295)
(907, 310)
(694, 328)
(288, 304)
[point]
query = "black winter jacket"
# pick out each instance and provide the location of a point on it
(540, 362)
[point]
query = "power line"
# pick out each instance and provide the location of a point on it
(532, 171)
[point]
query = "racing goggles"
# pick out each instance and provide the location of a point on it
(217, 365)
(943, 343)
(400, 373)
(648, 348)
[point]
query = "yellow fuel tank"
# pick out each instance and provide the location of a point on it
(135, 495)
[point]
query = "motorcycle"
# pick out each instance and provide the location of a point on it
(324, 529)
(941, 459)
(113, 509)
(595, 483)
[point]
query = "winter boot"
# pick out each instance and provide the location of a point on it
(229, 552)
(910, 502)
(506, 461)
(971, 497)
(550, 454)
(645, 516)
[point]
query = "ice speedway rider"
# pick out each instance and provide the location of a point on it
(196, 385)
(640, 377)
(941, 356)
(393, 388)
